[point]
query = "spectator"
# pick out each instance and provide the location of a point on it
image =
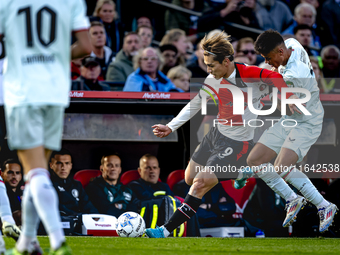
(106, 11)
(318, 74)
(303, 34)
(245, 47)
(187, 22)
(169, 54)
(88, 80)
(330, 56)
(331, 18)
(147, 76)
(331, 61)
(122, 67)
(273, 14)
(180, 76)
(197, 67)
(149, 183)
(106, 193)
(103, 53)
(146, 35)
(12, 176)
(305, 14)
(177, 38)
(73, 199)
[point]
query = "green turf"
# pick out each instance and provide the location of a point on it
(185, 246)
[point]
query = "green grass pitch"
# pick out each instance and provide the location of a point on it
(186, 246)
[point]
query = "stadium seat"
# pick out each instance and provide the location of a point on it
(129, 176)
(240, 196)
(174, 177)
(86, 175)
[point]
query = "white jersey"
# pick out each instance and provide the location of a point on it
(37, 39)
(298, 73)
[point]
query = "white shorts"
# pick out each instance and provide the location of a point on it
(299, 139)
(33, 126)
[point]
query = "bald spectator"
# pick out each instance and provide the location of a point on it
(305, 14)
(331, 61)
(107, 194)
(147, 76)
(122, 67)
(103, 53)
(149, 183)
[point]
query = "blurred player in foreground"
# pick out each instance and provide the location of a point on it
(290, 144)
(36, 91)
(224, 145)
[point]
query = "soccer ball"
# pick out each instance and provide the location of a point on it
(130, 224)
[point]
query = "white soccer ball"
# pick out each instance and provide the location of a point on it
(130, 224)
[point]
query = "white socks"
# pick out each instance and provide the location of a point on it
(45, 204)
(267, 173)
(5, 207)
(300, 181)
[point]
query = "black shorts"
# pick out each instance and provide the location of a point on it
(223, 155)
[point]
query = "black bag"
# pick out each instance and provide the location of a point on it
(158, 210)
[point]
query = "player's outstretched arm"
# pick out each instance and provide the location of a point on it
(161, 130)
(82, 47)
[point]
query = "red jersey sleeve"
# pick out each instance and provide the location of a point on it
(274, 79)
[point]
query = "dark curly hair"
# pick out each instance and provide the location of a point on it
(268, 41)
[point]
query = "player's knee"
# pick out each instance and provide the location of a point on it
(251, 161)
(203, 183)
(188, 180)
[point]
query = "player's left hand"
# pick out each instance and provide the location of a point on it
(292, 107)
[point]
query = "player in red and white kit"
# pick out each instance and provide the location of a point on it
(226, 144)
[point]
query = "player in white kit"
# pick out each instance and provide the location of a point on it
(36, 90)
(290, 144)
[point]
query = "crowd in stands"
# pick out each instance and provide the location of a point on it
(172, 38)
(254, 207)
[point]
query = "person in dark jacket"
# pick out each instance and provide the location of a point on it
(12, 176)
(90, 70)
(148, 185)
(106, 193)
(73, 199)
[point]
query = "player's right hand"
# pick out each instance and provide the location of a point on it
(161, 130)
